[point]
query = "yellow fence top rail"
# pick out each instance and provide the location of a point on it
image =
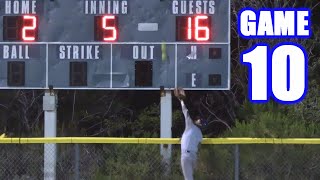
(118, 140)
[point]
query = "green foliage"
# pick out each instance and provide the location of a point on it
(309, 109)
(178, 123)
(148, 122)
(271, 120)
(264, 161)
(215, 162)
(129, 161)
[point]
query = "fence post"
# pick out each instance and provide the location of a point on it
(236, 162)
(50, 130)
(165, 127)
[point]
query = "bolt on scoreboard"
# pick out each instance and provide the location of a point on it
(115, 44)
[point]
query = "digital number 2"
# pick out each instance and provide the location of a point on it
(28, 31)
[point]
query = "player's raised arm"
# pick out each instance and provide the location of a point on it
(180, 94)
(187, 118)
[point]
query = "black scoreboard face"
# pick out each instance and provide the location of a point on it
(115, 44)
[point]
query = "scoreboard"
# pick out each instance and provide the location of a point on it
(115, 44)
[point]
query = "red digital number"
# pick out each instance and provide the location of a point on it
(108, 24)
(189, 28)
(193, 28)
(197, 29)
(29, 28)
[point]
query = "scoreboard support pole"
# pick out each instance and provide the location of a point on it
(165, 127)
(50, 130)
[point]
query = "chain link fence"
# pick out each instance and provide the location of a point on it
(143, 161)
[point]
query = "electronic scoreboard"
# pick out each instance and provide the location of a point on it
(115, 44)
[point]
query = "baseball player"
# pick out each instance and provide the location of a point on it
(191, 138)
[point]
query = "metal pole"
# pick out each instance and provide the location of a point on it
(236, 162)
(165, 127)
(50, 130)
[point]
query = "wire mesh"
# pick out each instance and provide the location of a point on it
(144, 161)
(110, 161)
(285, 162)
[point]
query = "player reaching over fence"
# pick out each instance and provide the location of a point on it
(191, 138)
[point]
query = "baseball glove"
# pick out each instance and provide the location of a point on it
(180, 94)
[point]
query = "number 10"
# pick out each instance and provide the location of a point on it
(281, 73)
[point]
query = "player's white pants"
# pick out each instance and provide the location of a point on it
(188, 164)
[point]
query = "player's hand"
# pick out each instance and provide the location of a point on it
(180, 94)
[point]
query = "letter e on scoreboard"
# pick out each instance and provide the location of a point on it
(193, 80)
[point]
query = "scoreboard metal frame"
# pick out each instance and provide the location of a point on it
(47, 60)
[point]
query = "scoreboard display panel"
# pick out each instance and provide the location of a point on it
(115, 44)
